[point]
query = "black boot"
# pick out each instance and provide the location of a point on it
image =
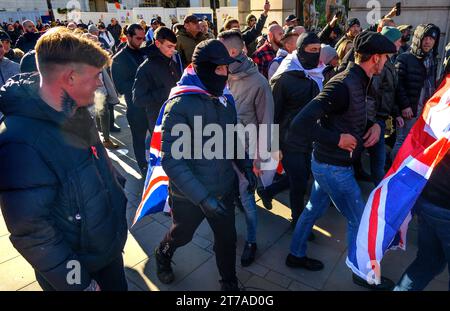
(248, 255)
(385, 285)
(163, 267)
(266, 199)
(304, 262)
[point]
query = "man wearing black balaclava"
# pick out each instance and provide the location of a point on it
(201, 186)
(296, 82)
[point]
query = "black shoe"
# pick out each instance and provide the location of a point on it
(265, 198)
(229, 286)
(163, 267)
(114, 129)
(248, 255)
(385, 285)
(304, 262)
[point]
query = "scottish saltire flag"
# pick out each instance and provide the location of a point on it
(388, 211)
(155, 195)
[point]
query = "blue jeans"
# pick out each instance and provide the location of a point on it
(402, 133)
(378, 156)
(249, 204)
(332, 183)
(433, 254)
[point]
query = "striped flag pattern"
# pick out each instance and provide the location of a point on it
(388, 211)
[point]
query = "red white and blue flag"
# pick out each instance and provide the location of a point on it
(155, 195)
(388, 211)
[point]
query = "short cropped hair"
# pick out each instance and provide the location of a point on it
(59, 46)
(164, 33)
(131, 30)
(233, 36)
(362, 58)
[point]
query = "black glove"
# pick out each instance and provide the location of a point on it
(252, 180)
(213, 208)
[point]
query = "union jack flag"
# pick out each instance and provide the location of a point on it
(387, 214)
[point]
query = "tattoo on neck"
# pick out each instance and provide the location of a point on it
(68, 104)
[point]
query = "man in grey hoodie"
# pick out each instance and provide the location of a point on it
(8, 68)
(254, 105)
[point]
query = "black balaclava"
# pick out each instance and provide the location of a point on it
(214, 83)
(308, 60)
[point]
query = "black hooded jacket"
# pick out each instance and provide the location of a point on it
(411, 70)
(27, 41)
(59, 194)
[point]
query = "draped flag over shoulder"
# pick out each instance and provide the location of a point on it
(156, 188)
(388, 211)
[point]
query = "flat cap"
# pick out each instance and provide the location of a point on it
(369, 42)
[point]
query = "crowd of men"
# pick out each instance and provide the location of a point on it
(336, 95)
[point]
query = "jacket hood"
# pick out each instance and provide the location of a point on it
(20, 97)
(242, 68)
(419, 34)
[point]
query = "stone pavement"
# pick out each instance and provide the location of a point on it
(195, 267)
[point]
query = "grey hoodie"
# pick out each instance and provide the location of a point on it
(251, 92)
(8, 69)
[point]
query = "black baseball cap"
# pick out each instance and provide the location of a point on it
(291, 18)
(369, 42)
(4, 36)
(212, 51)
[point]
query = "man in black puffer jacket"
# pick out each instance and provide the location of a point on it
(202, 186)
(28, 39)
(157, 75)
(417, 75)
(59, 194)
(123, 71)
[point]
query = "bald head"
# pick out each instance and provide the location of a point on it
(299, 30)
(275, 35)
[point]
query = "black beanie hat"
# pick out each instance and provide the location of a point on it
(305, 39)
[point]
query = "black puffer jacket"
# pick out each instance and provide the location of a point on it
(59, 194)
(156, 76)
(412, 72)
(194, 177)
(27, 41)
(123, 70)
(291, 91)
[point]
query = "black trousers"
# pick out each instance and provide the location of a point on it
(137, 119)
(298, 169)
(111, 116)
(110, 278)
(186, 219)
